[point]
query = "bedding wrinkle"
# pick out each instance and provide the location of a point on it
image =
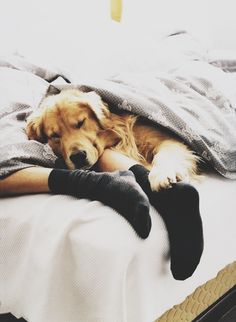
(142, 100)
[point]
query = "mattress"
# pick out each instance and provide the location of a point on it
(64, 259)
(209, 302)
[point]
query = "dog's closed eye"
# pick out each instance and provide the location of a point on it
(80, 124)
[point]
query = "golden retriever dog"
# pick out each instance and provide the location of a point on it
(79, 126)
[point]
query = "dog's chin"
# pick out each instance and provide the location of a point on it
(80, 166)
(86, 167)
(62, 164)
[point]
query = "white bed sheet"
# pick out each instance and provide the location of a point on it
(70, 260)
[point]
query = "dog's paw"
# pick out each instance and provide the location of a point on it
(160, 178)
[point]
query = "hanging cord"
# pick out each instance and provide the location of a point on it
(116, 10)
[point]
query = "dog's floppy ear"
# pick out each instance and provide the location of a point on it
(34, 129)
(109, 138)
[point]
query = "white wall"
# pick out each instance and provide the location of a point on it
(31, 21)
(213, 21)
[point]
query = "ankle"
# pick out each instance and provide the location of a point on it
(141, 176)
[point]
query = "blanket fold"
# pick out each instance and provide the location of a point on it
(196, 101)
(192, 102)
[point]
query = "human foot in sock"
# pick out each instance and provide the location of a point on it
(179, 208)
(118, 190)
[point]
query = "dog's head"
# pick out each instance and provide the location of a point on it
(76, 125)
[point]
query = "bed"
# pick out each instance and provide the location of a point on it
(67, 259)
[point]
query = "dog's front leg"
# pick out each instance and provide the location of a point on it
(172, 162)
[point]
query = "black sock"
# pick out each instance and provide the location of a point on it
(179, 208)
(118, 190)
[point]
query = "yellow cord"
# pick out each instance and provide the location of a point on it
(116, 10)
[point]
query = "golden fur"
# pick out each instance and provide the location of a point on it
(78, 126)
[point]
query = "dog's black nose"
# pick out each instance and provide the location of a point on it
(79, 159)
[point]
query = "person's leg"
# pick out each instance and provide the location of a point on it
(118, 190)
(112, 161)
(28, 180)
(179, 208)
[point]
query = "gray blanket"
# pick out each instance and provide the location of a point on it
(197, 101)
